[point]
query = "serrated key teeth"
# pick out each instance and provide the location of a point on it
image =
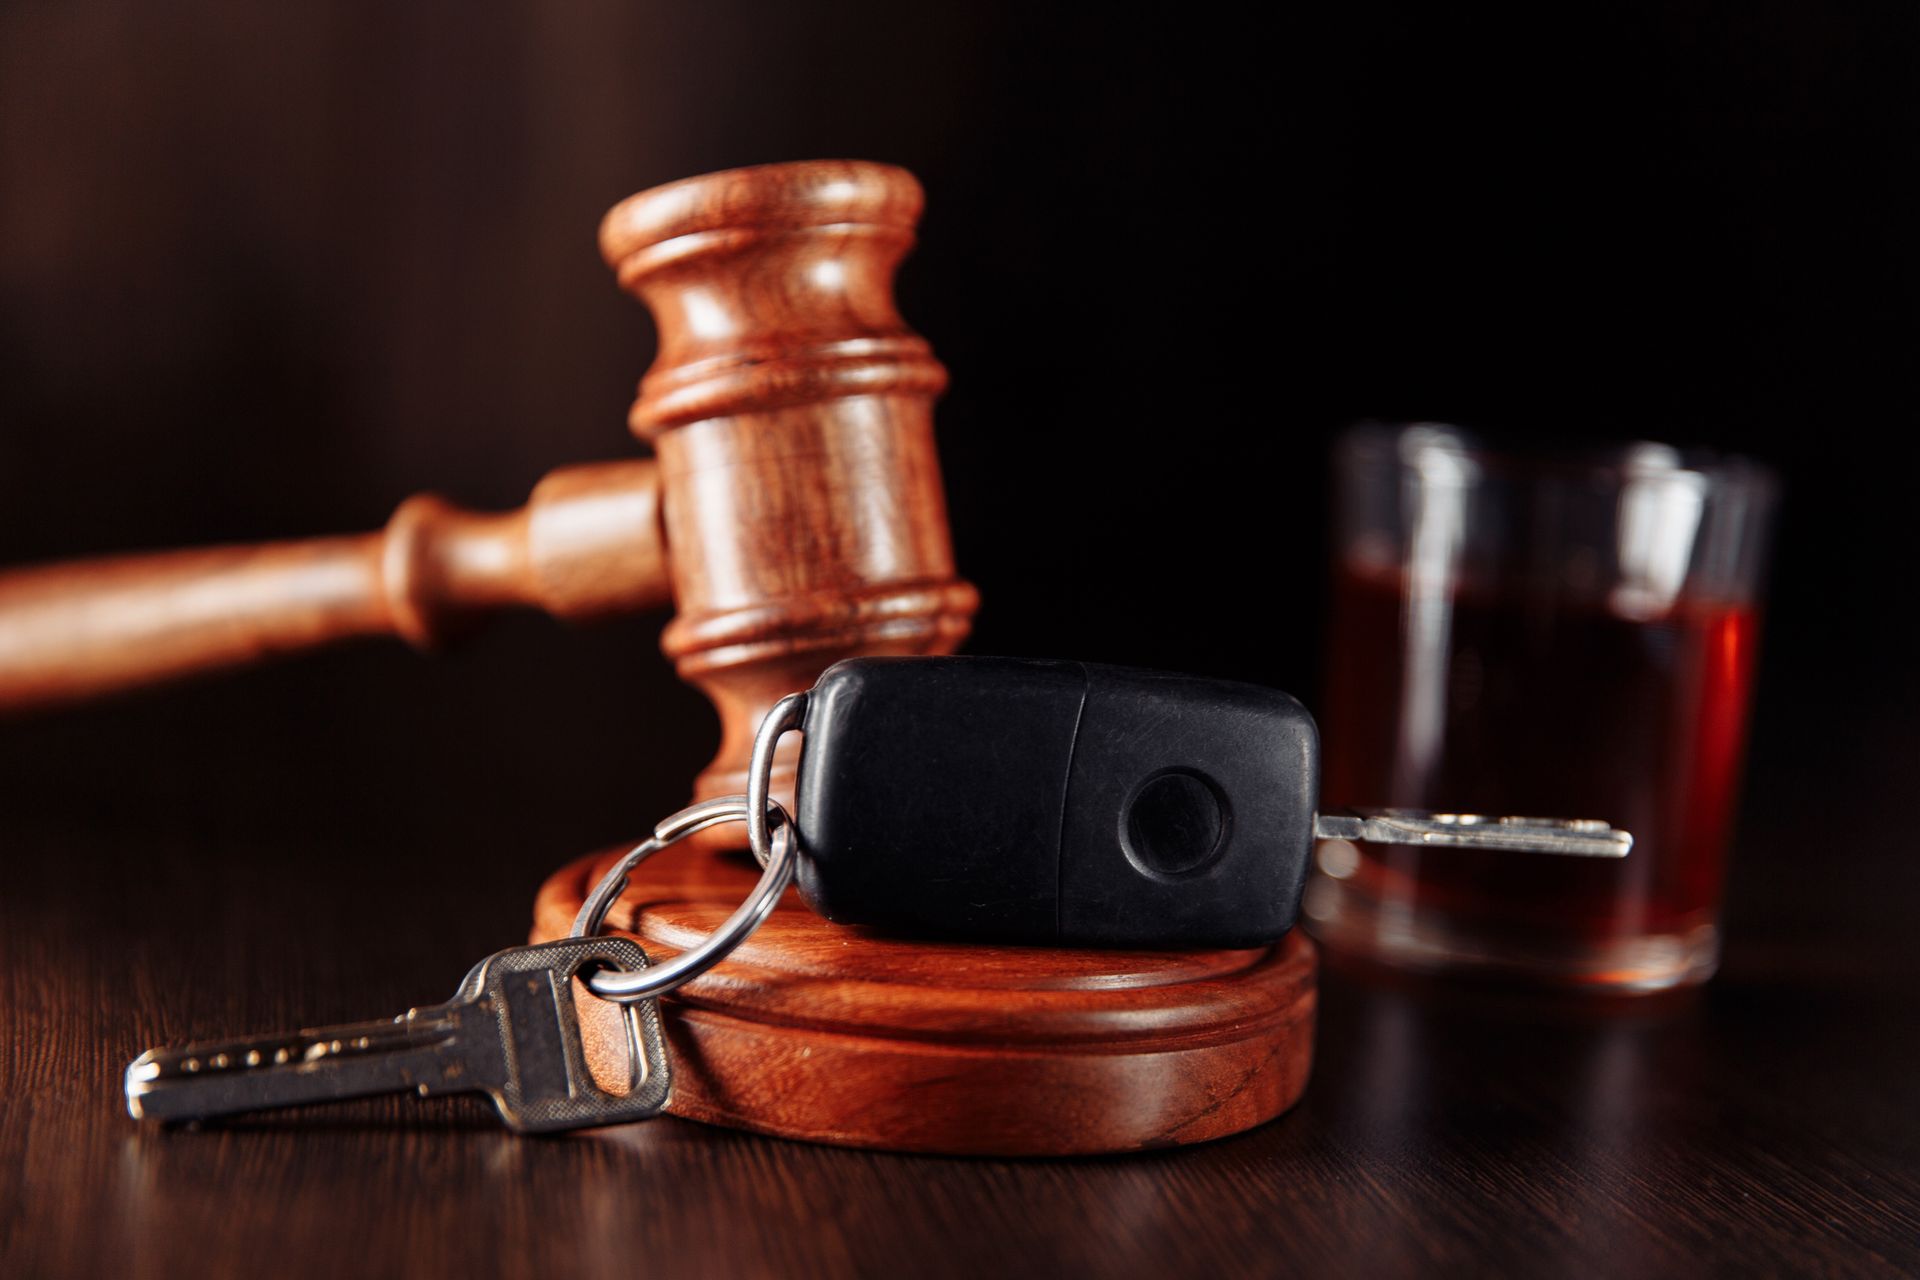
(512, 1033)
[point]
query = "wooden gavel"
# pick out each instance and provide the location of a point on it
(793, 511)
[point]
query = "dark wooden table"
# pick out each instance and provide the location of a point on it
(342, 839)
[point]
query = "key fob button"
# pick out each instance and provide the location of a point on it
(1212, 848)
(1174, 823)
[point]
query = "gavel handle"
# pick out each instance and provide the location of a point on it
(587, 544)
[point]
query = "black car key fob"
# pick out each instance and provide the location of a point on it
(1046, 802)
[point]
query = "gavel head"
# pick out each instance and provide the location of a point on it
(791, 411)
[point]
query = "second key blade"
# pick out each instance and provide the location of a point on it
(1570, 837)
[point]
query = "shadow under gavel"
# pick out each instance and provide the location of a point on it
(793, 512)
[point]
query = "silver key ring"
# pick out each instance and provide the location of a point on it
(769, 833)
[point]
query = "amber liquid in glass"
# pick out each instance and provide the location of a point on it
(1507, 703)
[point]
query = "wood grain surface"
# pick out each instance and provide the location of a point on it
(1766, 1127)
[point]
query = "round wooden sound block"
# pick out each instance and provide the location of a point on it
(830, 1034)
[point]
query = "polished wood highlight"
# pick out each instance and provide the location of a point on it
(797, 487)
(792, 411)
(830, 1034)
(588, 543)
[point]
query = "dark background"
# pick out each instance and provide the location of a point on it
(266, 270)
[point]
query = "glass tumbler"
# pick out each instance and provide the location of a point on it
(1570, 636)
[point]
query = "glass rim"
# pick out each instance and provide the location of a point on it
(1382, 441)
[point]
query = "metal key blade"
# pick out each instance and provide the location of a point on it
(421, 1051)
(512, 1031)
(1571, 837)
